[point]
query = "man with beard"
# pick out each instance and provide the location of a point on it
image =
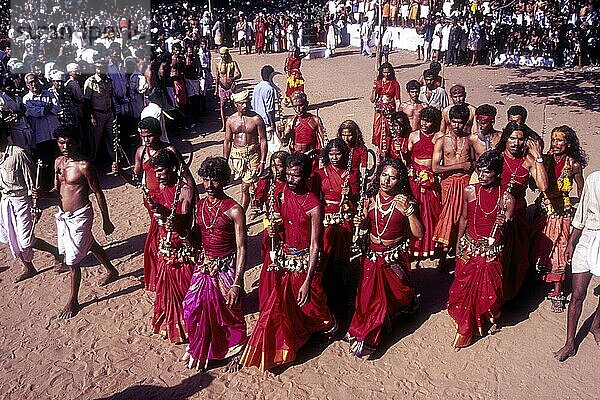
(245, 144)
(522, 160)
(212, 311)
(297, 306)
(75, 179)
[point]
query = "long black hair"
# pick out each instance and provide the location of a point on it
(574, 149)
(354, 128)
(389, 66)
(341, 146)
(403, 182)
(512, 127)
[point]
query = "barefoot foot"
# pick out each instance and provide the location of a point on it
(70, 310)
(564, 353)
(26, 275)
(233, 365)
(109, 277)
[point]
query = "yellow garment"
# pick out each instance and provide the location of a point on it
(245, 162)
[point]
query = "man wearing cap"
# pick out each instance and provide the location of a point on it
(246, 131)
(98, 94)
(228, 72)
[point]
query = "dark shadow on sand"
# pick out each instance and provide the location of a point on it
(433, 286)
(330, 103)
(187, 388)
(569, 89)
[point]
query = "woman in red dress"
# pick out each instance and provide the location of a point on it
(390, 215)
(387, 99)
(476, 292)
(338, 186)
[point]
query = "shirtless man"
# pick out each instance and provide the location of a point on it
(246, 131)
(413, 106)
(458, 94)
(75, 179)
(485, 137)
(228, 72)
(304, 130)
(453, 161)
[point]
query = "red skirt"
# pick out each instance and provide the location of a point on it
(446, 228)
(172, 285)
(283, 327)
(381, 293)
(427, 193)
(381, 128)
(516, 254)
(267, 279)
(550, 244)
(475, 297)
(151, 254)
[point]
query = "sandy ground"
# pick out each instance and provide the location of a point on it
(108, 351)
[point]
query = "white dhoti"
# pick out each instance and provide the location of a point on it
(586, 257)
(74, 231)
(16, 226)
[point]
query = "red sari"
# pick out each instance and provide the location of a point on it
(337, 236)
(267, 278)
(476, 292)
(172, 281)
(384, 286)
(381, 124)
(427, 192)
(552, 224)
(151, 244)
(283, 327)
(516, 250)
(359, 157)
(446, 228)
(216, 330)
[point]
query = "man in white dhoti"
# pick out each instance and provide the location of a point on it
(16, 219)
(583, 253)
(75, 179)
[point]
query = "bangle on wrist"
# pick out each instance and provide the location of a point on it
(539, 160)
(236, 285)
